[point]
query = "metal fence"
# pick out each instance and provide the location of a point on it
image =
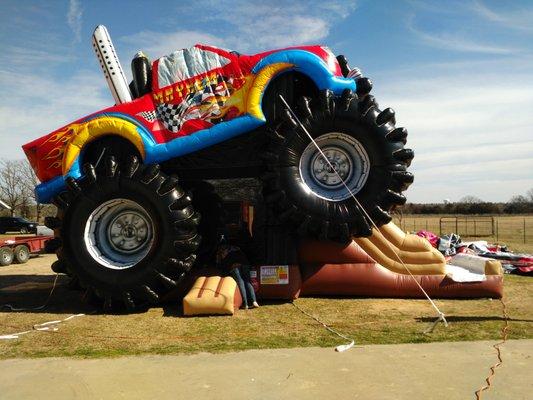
(468, 226)
(498, 228)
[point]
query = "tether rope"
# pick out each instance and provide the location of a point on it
(504, 334)
(50, 326)
(441, 316)
(339, 348)
(13, 308)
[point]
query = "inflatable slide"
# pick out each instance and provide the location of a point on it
(369, 267)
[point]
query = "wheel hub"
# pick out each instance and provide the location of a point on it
(119, 233)
(128, 231)
(333, 172)
(346, 165)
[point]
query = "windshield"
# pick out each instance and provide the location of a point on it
(187, 63)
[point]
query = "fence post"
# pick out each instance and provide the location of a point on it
(524, 231)
(497, 228)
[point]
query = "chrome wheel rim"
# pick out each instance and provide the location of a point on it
(5, 257)
(350, 163)
(24, 254)
(119, 233)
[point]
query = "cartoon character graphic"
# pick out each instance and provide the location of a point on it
(206, 105)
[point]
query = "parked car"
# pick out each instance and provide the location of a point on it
(17, 224)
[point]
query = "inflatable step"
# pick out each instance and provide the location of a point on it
(212, 295)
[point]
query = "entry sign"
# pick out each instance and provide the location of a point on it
(274, 275)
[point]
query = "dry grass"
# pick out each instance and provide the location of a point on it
(162, 330)
(515, 231)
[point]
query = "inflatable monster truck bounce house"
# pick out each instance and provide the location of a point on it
(333, 166)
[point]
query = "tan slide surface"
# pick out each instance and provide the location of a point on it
(416, 253)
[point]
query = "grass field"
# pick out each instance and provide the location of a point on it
(515, 231)
(162, 330)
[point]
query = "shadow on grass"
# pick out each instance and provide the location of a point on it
(31, 292)
(452, 318)
(12, 282)
(175, 308)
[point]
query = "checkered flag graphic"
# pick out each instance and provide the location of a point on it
(170, 115)
(150, 116)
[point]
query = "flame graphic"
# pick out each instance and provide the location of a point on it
(62, 135)
(58, 140)
(56, 164)
(56, 152)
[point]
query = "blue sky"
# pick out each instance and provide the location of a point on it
(458, 73)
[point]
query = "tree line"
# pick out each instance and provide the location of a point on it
(519, 204)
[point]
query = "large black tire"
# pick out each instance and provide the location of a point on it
(126, 232)
(291, 186)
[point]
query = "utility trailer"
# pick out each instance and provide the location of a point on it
(19, 248)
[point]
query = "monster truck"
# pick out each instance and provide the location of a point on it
(128, 231)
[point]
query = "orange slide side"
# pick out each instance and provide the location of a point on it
(370, 267)
(389, 242)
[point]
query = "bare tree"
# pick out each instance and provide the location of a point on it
(518, 199)
(29, 181)
(471, 200)
(529, 195)
(517, 205)
(11, 186)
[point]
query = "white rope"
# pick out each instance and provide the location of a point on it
(441, 316)
(50, 326)
(340, 348)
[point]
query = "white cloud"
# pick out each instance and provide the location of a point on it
(35, 105)
(27, 57)
(253, 26)
(157, 44)
(469, 122)
(518, 18)
(456, 42)
(470, 126)
(74, 16)
(301, 29)
(283, 23)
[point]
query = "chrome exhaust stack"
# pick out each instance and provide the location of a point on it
(113, 72)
